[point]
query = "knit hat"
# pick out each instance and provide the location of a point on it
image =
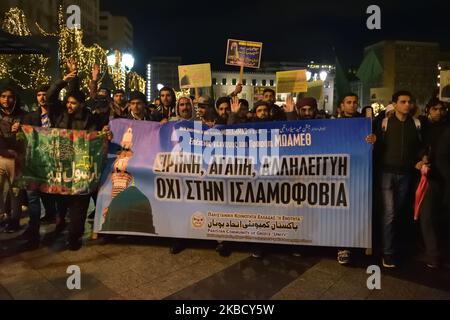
(136, 95)
(307, 102)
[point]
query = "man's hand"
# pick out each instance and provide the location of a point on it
(237, 90)
(70, 76)
(72, 65)
(95, 72)
(423, 162)
(371, 138)
(420, 164)
(108, 133)
(15, 127)
(235, 106)
(290, 105)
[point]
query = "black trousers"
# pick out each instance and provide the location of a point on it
(54, 205)
(77, 207)
(434, 221)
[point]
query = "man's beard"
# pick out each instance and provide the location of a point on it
(186, 114)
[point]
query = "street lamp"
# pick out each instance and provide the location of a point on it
(128, 61)
(308, 75)
(111, 59)
(323, 75)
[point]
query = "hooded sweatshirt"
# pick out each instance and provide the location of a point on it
(177, 111)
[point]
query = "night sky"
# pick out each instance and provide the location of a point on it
(290, 30)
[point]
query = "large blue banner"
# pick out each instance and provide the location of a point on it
(298, 182)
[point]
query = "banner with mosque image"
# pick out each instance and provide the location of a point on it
(60, 161)
(299, 182)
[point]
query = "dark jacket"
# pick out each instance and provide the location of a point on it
(7, 138)
(399, 146)
(56, 107)
(432, 134)
(82, 120)
(162, 113)
(293, 116)
(355, 115)
(104, 107)
(147, 116)
(33, 118)
(237, 117)
(60, 118)
(441, 162)
(277, 113)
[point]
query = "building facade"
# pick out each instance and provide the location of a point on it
(405, 65)
(255, 82)
(161, 71)
(115, 32)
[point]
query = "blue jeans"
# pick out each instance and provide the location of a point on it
(394, 191)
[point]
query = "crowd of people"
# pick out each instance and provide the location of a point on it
(406, 142)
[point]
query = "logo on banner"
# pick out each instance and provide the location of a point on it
(198, 220)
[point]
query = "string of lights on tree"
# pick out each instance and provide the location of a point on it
(26, 70)
(29, 71)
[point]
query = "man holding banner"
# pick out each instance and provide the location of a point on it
(73, 116)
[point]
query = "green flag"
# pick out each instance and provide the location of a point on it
(342, 84)
(60, 161)
(370, 69)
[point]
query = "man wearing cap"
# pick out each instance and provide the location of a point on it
(305, 109)
(203, 104)
(137, 107)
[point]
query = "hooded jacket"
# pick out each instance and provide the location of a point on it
(177, 116)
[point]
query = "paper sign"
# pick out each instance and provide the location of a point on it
(195, 76)
(258, 92)
(444, 92)
(246, 53)
(381, 95)
(291, 81)
(315, 90)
